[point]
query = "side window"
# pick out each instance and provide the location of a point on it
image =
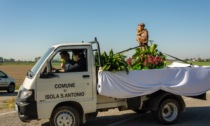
(2, 75)
(74, 60)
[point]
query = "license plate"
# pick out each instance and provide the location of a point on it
(16, 107)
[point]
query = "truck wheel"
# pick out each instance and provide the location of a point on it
(65, 116)
(11, 88)
(168, 111)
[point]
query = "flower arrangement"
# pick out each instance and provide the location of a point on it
(144, 58)
(112, 62)
(147, 58)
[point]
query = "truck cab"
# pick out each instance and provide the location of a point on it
(70, 97)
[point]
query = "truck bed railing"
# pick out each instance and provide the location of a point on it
(98, 50)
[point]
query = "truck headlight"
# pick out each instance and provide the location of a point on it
(25, 94)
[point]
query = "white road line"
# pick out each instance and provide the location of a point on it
(6, 113)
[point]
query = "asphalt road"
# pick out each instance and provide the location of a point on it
(196, 114)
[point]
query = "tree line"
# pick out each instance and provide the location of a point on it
(37, 58)
(13, 60)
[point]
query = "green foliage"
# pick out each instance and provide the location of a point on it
(147, 58)
(112, 62)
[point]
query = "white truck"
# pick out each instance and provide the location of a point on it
(70, 98)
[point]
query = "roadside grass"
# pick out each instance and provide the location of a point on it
(17, 86)
(8, 104)
(201, 63)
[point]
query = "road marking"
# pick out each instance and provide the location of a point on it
(6, 113)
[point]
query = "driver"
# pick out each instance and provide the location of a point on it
(66, 62)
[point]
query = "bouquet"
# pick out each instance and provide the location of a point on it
(147, 58)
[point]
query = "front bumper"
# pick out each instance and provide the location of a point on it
(26, 108)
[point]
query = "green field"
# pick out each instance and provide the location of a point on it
(194, 63)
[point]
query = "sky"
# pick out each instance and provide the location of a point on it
(28, 28)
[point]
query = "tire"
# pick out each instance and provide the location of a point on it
(168, 112)
(11, 88)
(65, 116)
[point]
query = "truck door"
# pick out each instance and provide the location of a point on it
(60, 86)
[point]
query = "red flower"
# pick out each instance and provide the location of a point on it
(129, 61)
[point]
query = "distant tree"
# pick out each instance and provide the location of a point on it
(9, 60)
(199, 59)
(186, 59)
(1, 59)
(37, 58)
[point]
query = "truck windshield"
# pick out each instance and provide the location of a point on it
(34, 70)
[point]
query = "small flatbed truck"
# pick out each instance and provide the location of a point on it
(71, 98)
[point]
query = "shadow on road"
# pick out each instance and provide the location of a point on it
(196, 116)
(105, 120)
(109, 120)
(2, 93)
(193, 116)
